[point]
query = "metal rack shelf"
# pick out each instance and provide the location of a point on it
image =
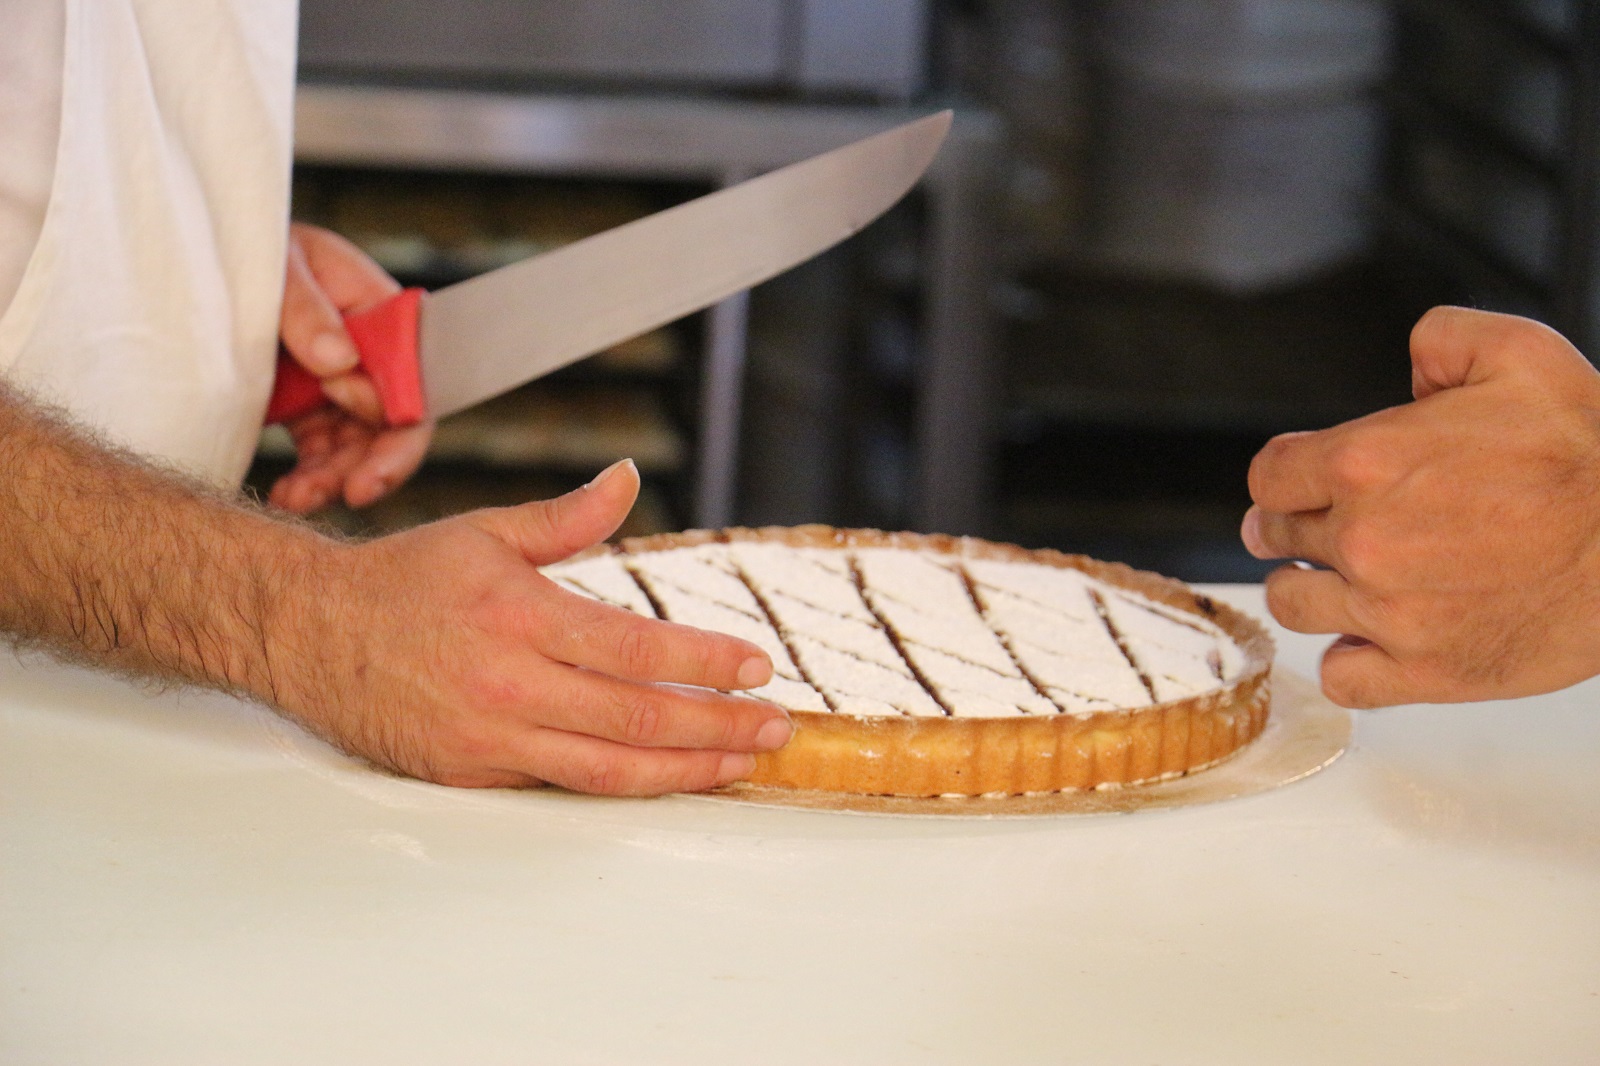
(1560, 284)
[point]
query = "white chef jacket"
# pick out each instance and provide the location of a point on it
(143, 216)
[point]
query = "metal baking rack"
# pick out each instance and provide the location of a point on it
(1494, 172)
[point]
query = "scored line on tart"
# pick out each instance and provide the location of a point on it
(918, 665)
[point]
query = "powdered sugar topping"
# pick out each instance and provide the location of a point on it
(891, 631)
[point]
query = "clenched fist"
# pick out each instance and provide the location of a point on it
(1456, 538)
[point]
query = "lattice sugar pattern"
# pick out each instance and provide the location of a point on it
(874, 631)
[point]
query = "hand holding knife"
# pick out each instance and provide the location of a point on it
(430, 355)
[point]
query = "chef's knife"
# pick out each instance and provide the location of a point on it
(431, 354)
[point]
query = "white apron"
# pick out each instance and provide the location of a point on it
(149, 305)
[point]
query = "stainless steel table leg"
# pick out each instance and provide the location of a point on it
(722, 401)
(721, 398)
(957, 398)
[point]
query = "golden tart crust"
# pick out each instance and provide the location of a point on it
(899, 754)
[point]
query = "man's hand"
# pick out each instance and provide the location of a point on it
(441, 652)
(444, 654)
(1461, 532)
(342, 450)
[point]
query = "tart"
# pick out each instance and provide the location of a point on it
(917, 665)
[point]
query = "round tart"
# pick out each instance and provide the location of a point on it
(920, 665)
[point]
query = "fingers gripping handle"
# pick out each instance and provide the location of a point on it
(386, 337)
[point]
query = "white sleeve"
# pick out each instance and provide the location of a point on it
(148, 304)
(31, 55)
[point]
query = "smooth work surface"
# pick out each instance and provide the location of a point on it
(185, 879)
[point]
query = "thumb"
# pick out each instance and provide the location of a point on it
(309, 324)
(547, 531)
(325, 276)
(1456, 346)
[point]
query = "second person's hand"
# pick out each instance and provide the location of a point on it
(1459, 535)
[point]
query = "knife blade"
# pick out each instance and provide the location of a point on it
(432, 354)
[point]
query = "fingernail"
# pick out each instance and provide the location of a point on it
(342, 391)
(606, 474)
(775, 734)
(755, 672)
(1250, 532)
(333, 354)
(734, 767)
(368, 492)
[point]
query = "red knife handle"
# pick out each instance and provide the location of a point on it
(386, 338)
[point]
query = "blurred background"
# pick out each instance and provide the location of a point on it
(1161, 232)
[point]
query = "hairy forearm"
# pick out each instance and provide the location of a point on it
(440, 652)
(107, 560)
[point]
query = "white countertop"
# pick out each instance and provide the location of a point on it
(185, 879)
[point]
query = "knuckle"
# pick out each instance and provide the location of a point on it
(659, 773)
(495, 611)
(640, 652)
(1428, 678)
(474, 743)
(1285, 597)
(1277, 534)
(471, 778)
(1343, 690)
(598, 775)
(1269, 458)
(643, 719)
(1409, 624)
(492, 692)
(542, 520)
(718, 658)
(698, 775)
(555, 524)
(711, 659)
(1360, 550)
(1449, 672)
(1364, 461)
(1436, 325)
(730, 729)
(1436, 679)
(1349, 685)
(1348, 463)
